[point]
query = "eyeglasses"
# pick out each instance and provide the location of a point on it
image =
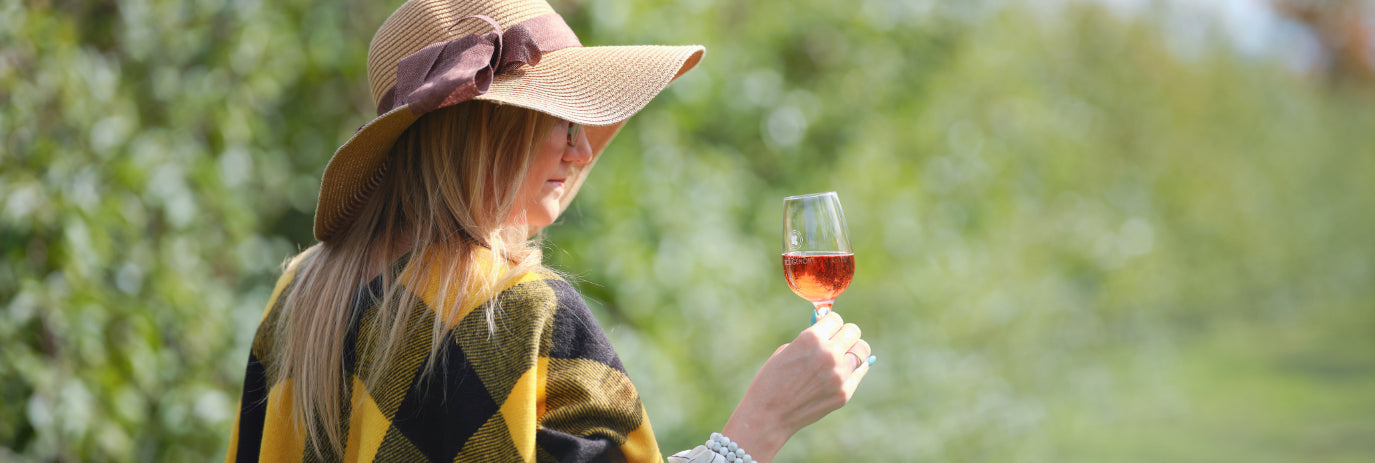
(573, 130)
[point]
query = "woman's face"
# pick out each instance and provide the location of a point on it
(565, 148)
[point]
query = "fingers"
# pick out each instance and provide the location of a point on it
(845, 342)
(855, 360)
(857, 356)
(861, 350)
(828, 325)
(852, 382)
(845, 338)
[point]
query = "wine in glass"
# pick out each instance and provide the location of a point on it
(817, 259)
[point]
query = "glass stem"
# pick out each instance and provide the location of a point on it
(823, 308)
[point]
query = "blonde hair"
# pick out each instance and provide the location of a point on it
(450, 185)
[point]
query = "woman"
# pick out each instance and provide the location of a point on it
(423, 326)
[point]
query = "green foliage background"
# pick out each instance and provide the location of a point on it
(1074, 242)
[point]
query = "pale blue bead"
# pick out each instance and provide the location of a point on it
(748, 459)
(737, 460)
(734, 446)
(725, 440)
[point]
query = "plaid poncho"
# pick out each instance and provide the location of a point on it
(545, 386)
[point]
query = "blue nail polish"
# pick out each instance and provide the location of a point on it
(872, 359)
(813, 318)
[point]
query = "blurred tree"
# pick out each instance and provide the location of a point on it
(159, 159)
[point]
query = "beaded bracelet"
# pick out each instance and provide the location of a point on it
(731, 450)
(718, 449)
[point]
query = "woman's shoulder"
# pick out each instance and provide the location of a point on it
(287, 279)
(545, 298)
(543, 289)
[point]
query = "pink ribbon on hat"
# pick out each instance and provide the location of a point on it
(447, 73)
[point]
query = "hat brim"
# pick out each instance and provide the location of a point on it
(599, 87)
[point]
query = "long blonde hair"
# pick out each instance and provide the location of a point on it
(450, 185)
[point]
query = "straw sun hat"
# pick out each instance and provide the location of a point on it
(432, 54)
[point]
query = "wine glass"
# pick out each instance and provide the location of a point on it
(817, 260)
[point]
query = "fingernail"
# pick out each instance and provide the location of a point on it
(872, 359)
(813, 318)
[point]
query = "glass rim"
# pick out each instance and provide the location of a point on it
(809, 195)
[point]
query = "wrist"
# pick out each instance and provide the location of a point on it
(756, 434)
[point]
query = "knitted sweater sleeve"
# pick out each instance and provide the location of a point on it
(590, 410)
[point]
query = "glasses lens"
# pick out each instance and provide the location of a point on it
(573, 130)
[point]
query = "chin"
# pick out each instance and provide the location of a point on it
(541, 220)
(546, 214)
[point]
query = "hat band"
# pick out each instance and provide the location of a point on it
(447, 73)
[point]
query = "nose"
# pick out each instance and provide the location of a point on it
(580, 152)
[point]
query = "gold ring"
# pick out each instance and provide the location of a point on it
(858, 361)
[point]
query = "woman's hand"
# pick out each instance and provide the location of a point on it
(803, 381)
